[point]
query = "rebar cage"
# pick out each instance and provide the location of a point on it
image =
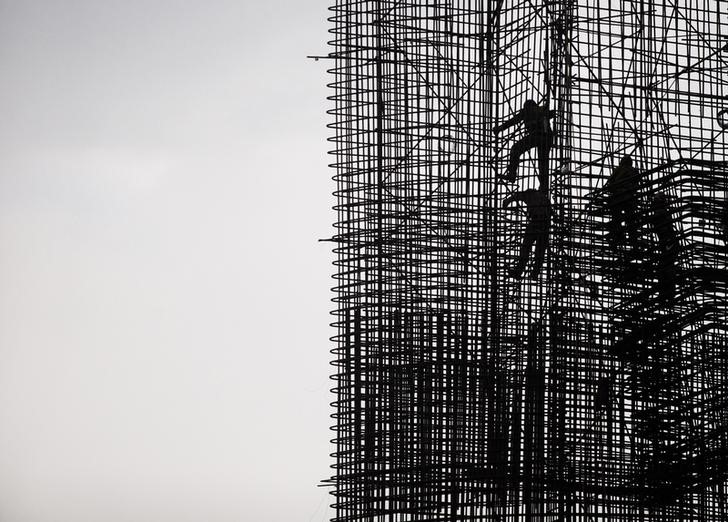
(593, 388)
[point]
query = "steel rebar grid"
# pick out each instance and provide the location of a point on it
(594, 391)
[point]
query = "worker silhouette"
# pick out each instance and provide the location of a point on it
(622, 200)
(539, 135)
(538, 209)
(667, 240)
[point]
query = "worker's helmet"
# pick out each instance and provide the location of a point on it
(723, 118)
(626, 161)
(529, 104)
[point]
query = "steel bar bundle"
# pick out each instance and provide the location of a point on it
(532, 260)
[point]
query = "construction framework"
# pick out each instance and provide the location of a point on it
(471, 386)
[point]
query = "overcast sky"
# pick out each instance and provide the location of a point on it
(164, 302)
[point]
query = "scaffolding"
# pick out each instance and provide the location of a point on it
(473, 382)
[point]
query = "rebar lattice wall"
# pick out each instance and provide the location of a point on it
(593, 389)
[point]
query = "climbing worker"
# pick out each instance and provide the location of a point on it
(667, 240)
(622, 200)
(539, 135)
(538, 209)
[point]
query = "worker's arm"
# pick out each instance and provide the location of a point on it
(516, 196)
(509, 123)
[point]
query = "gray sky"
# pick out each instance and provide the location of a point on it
(163, 300)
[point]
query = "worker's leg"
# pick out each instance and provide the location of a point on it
(519, 148)
(616, 227)
(542, 241)
(544, 148)
(621, 222)
(529, 239)
(631, 221)
(667, 274)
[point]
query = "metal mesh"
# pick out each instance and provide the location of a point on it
(472, 383)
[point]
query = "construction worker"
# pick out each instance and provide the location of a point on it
(667, 240)
(622, 201)
(538, 209)
(539, 135)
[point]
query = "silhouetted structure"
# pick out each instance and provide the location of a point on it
(597, 388)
